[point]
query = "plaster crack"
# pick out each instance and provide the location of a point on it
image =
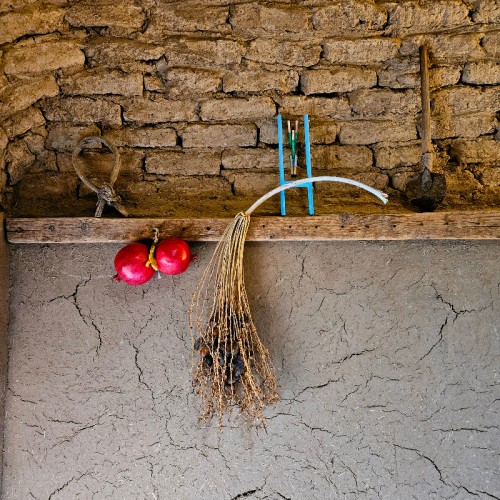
(65, 485)
(417, 282)
(88, 321)
(355, 477)
(425, 457)
(39, 430)
(280, 414)
(461, 429)
(99, 337)
(140, 375)
(488, 494)
(58, 421)
(358, 387)
(438, 341)
(310, 427)
(245, 494)
(352, 355)
(73, 295)
(78, 431)
(343, 330)
(319, 307)
(20, 397)
(458, 312)
(283, 496)
(320, 386)
(469, 491)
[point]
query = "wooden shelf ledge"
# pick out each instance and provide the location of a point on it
(463, 225)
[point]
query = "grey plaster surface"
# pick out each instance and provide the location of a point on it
(387, 356)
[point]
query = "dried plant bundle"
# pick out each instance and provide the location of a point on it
(233, 367)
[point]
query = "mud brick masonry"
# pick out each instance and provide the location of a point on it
(189, 92)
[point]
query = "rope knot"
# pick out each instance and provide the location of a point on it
(107, 195)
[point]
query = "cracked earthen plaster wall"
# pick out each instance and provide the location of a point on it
(188, 91)
(386, 354)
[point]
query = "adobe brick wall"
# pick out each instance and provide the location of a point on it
(189, 91)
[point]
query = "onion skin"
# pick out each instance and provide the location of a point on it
(173, 256)
(130, 264)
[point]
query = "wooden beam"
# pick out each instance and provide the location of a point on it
(456, 225)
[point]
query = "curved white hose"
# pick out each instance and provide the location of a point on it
(379, 194)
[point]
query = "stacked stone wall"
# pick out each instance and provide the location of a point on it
(189, 91)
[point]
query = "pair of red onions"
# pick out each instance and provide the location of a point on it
(136, 263)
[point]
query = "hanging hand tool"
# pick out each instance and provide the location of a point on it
(426, 190)
(292, 139)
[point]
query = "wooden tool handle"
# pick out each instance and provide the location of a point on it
(426, 101)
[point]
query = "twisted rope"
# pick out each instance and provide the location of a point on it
(106, 194)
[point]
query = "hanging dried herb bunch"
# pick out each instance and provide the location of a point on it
(232, 367)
